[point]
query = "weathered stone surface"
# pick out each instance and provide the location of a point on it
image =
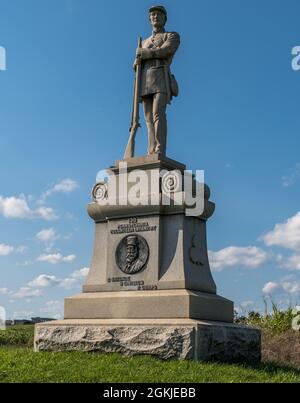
(228, 343)
(168, 339)
(162, 342)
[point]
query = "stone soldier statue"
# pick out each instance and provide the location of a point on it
(158, 85)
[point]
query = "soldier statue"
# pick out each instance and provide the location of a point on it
(155, 85)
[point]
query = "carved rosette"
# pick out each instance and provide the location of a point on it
(100, 191)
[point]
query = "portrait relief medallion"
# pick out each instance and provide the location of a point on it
(132, 254)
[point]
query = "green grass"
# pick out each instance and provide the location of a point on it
(23, 365)
(18, 363)
(17, 336)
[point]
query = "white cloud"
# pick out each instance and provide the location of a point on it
(34, 288)
(17, 207)
(47, 235)
(65, 186)
(53, 308)
(247, 304)
(6, 250)
(51, 304)
(12, 207)
(75, 278)
(270, 288)
(292, 263)
(286, 235)
(21, 249)
(27, 292)
(234, 256)
(82, 273)
(5, 291)
(44, 281)
(293, 175)
(45, 213)
(26, 263)
(56, 258)
(22, 315)
(68, 283)
(289, 287)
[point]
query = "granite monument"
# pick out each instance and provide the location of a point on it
(150, 289)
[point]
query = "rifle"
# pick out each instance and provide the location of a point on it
(135, 118)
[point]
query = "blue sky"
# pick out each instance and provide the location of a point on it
(65, 107)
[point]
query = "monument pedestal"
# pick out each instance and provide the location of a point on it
(160, 304)
(162, 338)
(150, 289)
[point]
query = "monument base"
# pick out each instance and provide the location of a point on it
(162, 338)
(159, 304)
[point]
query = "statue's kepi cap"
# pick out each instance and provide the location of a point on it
(159, 8)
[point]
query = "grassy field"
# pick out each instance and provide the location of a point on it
(23, 365)
(17, 336)
(18, 363)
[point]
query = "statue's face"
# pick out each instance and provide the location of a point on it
(132, 253)
(157, 19)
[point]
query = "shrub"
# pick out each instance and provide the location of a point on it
(276, 322)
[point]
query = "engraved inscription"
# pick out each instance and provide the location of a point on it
(133, 226)
(132, 284)
(118, 279)
(149, 287)
(126, 282)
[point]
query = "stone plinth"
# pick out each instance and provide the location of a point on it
(166, 304)
(164, 339)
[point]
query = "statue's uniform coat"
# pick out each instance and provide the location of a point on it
(158, 51)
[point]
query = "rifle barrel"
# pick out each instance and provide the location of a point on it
(135, 121)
